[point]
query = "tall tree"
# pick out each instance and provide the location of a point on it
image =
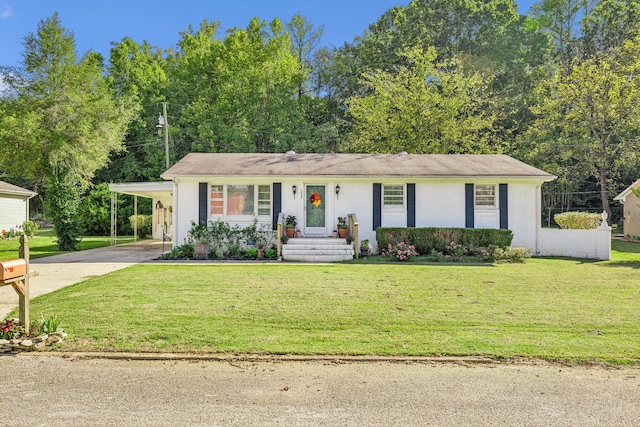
(62, 124)
(422, 108)
(137, 72)
(593, 113)
(304, 40)
(246, 86)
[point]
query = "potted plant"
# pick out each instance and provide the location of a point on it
(335, 233)
(364, 248)
(342, 227)
(290, 225)
(200, 235)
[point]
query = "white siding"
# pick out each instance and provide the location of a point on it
(13, 212)
(439, 203)
(185, 209)
(524, 214)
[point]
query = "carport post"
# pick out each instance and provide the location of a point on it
(135, 218)
(114, 217)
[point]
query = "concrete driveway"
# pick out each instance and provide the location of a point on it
(58, 271)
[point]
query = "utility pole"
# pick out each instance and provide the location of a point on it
(166, 133)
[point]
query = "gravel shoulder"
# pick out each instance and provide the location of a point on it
(77, 391)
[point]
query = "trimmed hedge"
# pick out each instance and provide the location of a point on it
(427, 239)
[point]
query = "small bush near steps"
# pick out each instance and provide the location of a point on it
(43, 333)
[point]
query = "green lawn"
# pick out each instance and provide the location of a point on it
(556, 309)
(44, 245)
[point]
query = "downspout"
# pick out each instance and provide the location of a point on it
(538, 217)
(174, 226)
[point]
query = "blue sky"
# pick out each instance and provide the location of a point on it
(97, 24)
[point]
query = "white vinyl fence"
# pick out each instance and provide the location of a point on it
(595, 243)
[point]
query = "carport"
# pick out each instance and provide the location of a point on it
(161, 194)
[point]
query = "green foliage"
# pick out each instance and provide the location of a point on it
(61, 204)
(50, 324)
(61, 122)
(95, 211)
(227, 241)
(30, 228)
(422, 107)
(578, 220)
(514, 255)
(290, 221)
(185, 251)
(271, 253)
(427, 240)
(251, 253)
(144, 224)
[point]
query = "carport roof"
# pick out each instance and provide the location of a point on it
(152, 190)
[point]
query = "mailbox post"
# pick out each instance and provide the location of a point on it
(23, 298)
(15, 272)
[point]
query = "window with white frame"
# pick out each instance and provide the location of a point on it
(393, 196)
(264, 200)
(485, 196)
(217, 200)
(240, 200)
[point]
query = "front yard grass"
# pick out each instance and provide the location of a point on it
(555, 309)
(44, 244)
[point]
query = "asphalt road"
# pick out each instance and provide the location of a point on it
(41, 390)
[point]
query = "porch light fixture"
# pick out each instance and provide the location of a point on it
(337, 190)
(295, 190)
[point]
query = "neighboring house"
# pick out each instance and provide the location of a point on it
(14, 205)
(401, 190)
(631, 210)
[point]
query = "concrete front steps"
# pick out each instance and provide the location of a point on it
(320, 249)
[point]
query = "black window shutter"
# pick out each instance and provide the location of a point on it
(411, 205)
(202, 203)
(469, 208)
(277, 203)
(504, 206)
(377, 206)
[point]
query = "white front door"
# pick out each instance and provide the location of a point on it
(315, 223)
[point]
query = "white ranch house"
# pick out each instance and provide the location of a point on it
(402, 190)
(14, 205)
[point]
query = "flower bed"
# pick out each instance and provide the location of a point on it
(43, 333)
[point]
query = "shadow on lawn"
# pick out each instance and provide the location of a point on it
(418, 261)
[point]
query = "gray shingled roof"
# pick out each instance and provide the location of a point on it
(355, 165)
(6, 188)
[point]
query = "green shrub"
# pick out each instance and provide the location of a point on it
(578, 220)
(95, 211)
(511, 254)
(145, 223)
(271, 253)
(252, 253)
(30, 228)
(185, 251)
(426, 240)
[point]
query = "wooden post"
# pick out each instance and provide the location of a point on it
(23, 297)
